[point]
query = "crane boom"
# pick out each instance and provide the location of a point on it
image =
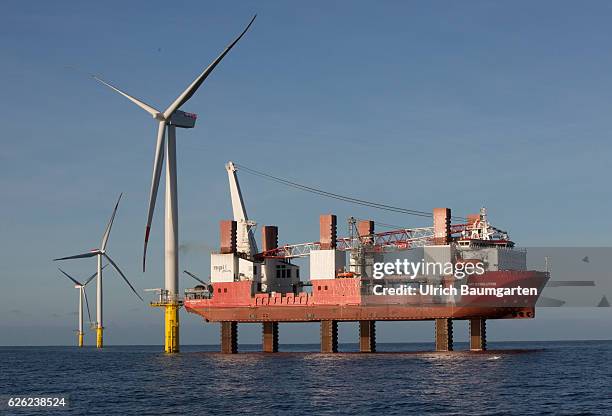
(245, 240)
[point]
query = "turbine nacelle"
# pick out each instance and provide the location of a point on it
(183, 120)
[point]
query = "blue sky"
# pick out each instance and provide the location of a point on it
(415, 104)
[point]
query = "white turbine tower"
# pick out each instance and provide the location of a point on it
(171, 118)
(82, 295)
(99, 253)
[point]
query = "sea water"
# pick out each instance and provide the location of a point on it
(531, 378)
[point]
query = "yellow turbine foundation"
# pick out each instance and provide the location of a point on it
(99, 337)
(80, 336)
(171, 344)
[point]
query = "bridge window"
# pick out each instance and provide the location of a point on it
(282, 271)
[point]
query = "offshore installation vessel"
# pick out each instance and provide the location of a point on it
(250, 286)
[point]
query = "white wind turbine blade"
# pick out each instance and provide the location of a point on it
(109, 225)
(195, 277)
(154, 112)
(157, 169)
(191, 89)
(79, 256)
(87, 304)
(93, 276)
(122, 275)
(76, 282)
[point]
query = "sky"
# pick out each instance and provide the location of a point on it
(416, 104)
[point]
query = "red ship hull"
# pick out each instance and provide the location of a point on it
(342, 300)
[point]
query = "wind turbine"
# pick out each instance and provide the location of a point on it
(82, 294)
(171, 118)
(99, 253)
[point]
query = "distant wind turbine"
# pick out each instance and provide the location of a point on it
(99, 253)
(82, 295)
(171, 118)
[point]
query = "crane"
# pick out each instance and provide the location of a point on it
(245, 239)
(400, 239)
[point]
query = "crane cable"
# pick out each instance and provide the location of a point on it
(332, 195)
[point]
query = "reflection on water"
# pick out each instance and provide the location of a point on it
(529, 378)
